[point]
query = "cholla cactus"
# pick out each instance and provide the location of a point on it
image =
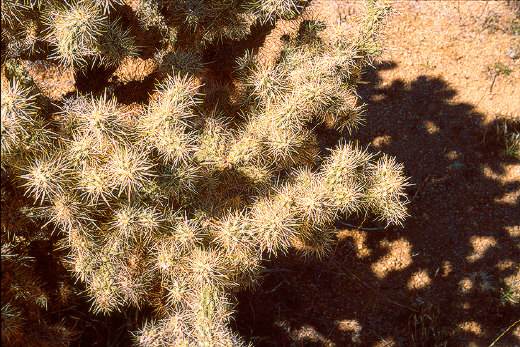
(80, 31)
(268, 10)
(20, 27)
(12, 11)
(116, 44)
(175, 206)
(105, 5)
(25, 297)
(23, 131)
(75, 29)
(18, 116)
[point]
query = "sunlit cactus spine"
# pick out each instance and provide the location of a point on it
(75, 29)
(105, 5)
(80, 32)
(269, 10)
(18, 116)
(12, 11)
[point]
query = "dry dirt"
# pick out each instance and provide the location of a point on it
(450, 276)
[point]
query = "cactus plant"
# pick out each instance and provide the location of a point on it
(176, 205)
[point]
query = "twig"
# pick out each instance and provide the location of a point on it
(490, 88)
(332, 330)
(278, 285)
(375, 300)
(493, 82)
(275, 270)
(482, 13)
(422, 184)
(374, 332)
(512, 325)
(275, 288)
(482, 97)
(359, 227)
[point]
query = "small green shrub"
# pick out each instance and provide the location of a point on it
(513, 144)
(500, 68)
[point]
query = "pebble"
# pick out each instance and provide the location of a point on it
(514, 53)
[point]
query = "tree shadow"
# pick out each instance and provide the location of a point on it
(447, 277)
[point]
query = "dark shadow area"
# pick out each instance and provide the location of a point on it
(217, 77)
(135, 91)
(93, 78)
(220, 62)
(148, 40)
(446, 278)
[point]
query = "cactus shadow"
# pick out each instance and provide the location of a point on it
(447, 277)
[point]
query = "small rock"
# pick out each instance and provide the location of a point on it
(514, 53)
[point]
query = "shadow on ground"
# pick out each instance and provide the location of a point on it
(446, 278)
